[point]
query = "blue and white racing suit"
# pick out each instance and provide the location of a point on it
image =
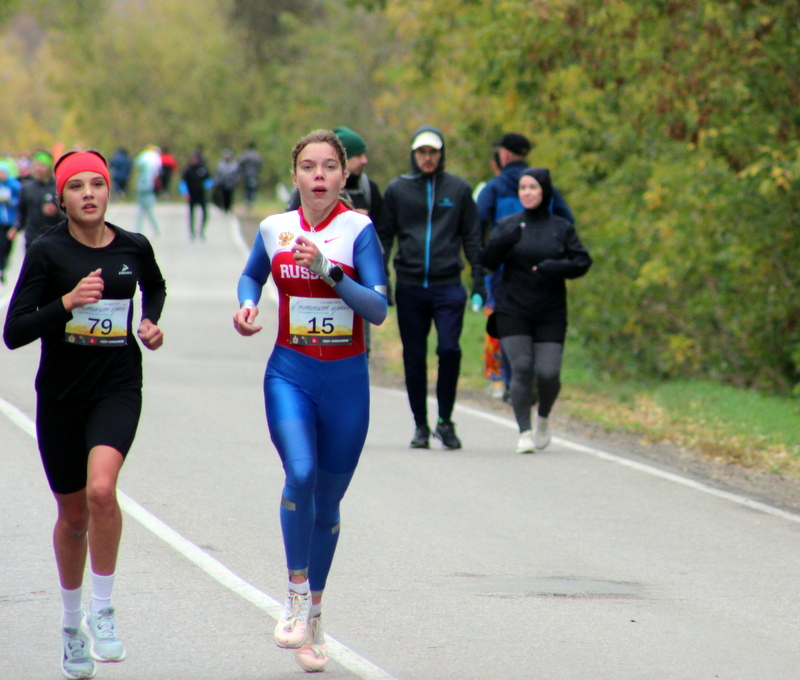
(316, 386)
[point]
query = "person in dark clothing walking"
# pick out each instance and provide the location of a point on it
(225, 180)
(194, 184)
(432, 215)
(499, 199)
(120, 166)
(38, 208)
(250, 162)
(538, 251)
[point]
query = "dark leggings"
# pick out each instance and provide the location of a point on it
(201, 202)
(529, 358)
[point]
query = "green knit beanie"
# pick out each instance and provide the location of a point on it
(352, 142)
(42, 157)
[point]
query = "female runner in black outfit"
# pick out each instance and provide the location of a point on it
(538, 251)
(75, 293)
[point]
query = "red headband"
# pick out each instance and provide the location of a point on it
(82, 161)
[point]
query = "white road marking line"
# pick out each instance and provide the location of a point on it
(642, 467)
(219, 572)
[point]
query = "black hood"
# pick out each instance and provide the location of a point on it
(542, 176)
(427, 128)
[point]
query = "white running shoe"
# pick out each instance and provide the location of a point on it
(292, 628)
(525, 442)
(541, 436)
(104, 643)
(313, 657)
(76, 663)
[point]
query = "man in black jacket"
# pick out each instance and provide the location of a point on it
(432, 215)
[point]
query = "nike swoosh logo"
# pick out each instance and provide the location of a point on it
(328, 240)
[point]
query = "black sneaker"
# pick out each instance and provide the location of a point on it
(421, 436)
(446, 433)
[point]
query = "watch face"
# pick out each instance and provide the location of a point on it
(337, 273)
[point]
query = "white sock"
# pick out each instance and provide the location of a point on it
(302, 588)
(315, 610)
(101, 591)
(73, 611)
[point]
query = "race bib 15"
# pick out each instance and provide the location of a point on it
(320, 321)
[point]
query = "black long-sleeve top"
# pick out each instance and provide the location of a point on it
(53, 266)
(535, 239)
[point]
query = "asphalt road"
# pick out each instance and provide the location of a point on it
(578, 563)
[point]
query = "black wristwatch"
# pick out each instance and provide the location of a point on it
(336, 273)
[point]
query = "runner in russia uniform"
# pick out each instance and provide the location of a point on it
(330, 279)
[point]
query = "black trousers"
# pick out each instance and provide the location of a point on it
(417, 309)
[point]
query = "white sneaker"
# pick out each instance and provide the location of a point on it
(104, 642)
(541, 437)
(76, 663)
(525, 443)
(292, 629)
(313, 656)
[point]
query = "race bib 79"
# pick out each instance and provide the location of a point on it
(103, 324)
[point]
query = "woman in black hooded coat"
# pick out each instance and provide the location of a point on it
(538, 252)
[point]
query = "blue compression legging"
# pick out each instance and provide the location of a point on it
(318, 415)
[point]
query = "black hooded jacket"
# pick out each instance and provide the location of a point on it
(432, 216)
(535, 238)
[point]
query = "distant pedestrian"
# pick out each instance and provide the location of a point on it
(249, 167)
(195, 182)
(148, 167)
(9, 199)
(433, 217)
(72, 296)
(38, 208)
(225, 179)
(169, 166)
(121, 167)
(538, 251)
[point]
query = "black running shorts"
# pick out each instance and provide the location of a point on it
(68, 429)
(548, 328)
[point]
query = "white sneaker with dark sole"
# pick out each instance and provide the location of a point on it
(525, 442)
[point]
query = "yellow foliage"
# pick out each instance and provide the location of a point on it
(654, 273)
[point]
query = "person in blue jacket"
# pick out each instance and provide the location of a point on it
(9, 198)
